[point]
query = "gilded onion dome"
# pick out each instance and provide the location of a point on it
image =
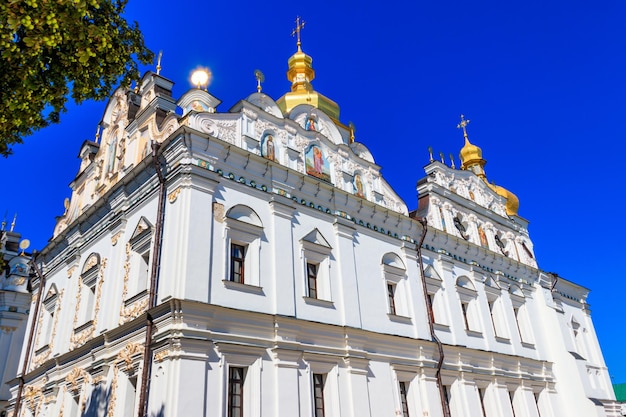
(472, 160)
(301, 73)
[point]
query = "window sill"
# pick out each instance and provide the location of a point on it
(473, 333)
(42, 349)
(501, 339)
(136, 297)
(318, 302)
(442, 327)
(528, 345)
(399, 319)
(83, 327)
(252, 289)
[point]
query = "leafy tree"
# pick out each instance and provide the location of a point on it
(51, 50)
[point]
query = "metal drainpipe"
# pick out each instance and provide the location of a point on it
(142, 409)
(431, 320)
(31, 335)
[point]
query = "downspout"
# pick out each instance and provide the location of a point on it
(31, 334)
(142, 409)
(431, 320)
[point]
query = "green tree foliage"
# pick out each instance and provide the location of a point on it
(51, 50)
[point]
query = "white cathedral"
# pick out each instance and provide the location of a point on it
(255, 262)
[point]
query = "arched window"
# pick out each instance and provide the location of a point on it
(434, 288)
(396, 285)
(469, 309)
(87, 290)
(521, 314)
(316, 255)
(243, 244)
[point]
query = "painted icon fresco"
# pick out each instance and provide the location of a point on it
(359, 188)
(316, 164)
(268, 147)
(311, 124)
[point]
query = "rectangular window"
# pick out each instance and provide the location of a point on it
(236, 378)
(237, 261)
(519, 331)
(493, 322)
(464, 307)
(403, 399)
(318, 394)
(311, 273)
(391, 290)
(431, 303)
(447, 395)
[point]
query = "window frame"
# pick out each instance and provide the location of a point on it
(318, 388)
(316, 250)
(236, 382)
(247, 235)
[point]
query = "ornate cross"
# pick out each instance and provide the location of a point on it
(463, 125)
(296, 32)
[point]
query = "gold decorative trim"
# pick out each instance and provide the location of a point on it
(75, 378)
(7, 329)
(41, 358)
(161, 355)
(127, 313)
(129, 354)
(115, 238)
(79, 339)
(173, 195)
(33, 395)
(133, 311)
(113, 398)
(70, 271)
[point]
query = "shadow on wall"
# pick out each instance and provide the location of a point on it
(160, 413)
(98, 403)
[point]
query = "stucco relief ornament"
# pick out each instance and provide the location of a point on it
(204, 123)
(301, 143)
(252, 115)
(227, 130)
(75, 378)
(282, 136)
(127, 353)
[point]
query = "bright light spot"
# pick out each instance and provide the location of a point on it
(201, 77)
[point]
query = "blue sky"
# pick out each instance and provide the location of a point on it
(543, 86)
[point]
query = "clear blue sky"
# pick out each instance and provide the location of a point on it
(541, 82)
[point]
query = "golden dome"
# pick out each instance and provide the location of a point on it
(301, 73)
(470, 154)
(512, 202)
(472, 160)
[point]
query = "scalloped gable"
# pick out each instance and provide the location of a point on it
(199, 101)
(467, 185)
(265, 103)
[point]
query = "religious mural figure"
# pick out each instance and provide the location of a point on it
(316, 164)
(310, 124)
(111, 156)
(483, 237)
(268, 147)
(358, 186)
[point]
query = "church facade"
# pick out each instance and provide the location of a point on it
(255, 262)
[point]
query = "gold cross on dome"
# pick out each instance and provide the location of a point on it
(463, 125)
(296, 32)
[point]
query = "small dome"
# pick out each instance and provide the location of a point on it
(470, 153)
(512, 202)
